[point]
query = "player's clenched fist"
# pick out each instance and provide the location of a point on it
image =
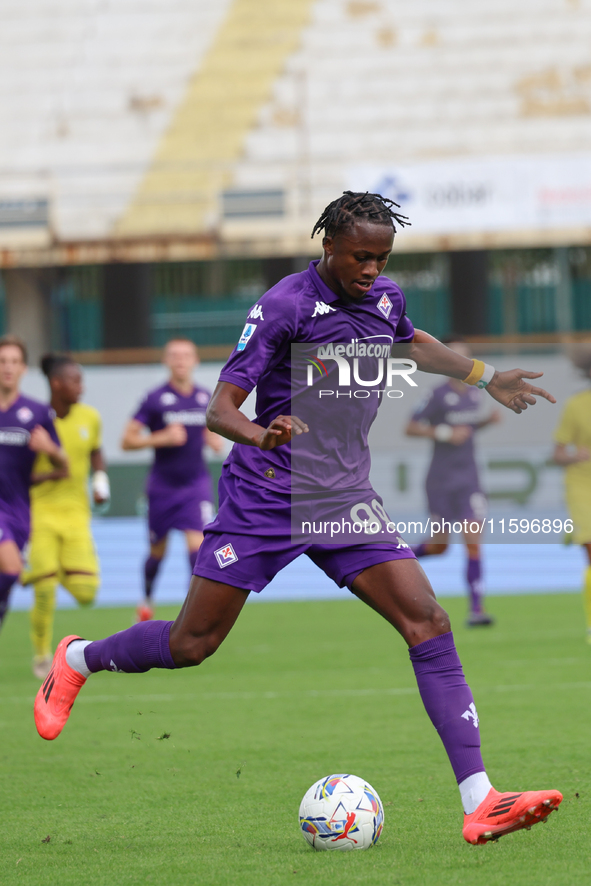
(459, 435)
(41, 441)
(174, 435)
(281, 430)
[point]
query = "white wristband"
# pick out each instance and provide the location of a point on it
(486, 376)
(443, 433)
(101, 485)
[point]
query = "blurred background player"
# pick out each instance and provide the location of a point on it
(449, 417)
(179, 485)
(573, 451)
(62, 549)
(26, 428)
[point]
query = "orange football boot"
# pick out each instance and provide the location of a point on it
(144, 612)
(501, 814)
(57, 694)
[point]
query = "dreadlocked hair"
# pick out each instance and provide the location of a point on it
(53, 364)
(353, 205)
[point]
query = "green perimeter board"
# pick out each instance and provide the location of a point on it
(128, 483)
(296, 692)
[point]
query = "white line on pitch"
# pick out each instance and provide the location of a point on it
(308, 693)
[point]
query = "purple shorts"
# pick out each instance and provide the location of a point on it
(463, 503)
(11, 531)
(250, 541)
(187, 508)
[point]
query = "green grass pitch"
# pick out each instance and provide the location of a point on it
(196, 777)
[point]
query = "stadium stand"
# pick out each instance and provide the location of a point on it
(87, 93)
(201, 140)
(132, 119)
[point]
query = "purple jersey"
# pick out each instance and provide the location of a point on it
(302, 309)
(176, 466)
(16, 459)
(452, 466)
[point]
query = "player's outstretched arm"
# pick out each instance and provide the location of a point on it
(41, 442)
(43, 476)
(564, 455)
(224, 418)
(135, 436)
(512, 388)
(456, 435)
(431, 355)
(101, 488)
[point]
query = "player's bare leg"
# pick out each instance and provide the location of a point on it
(400, 592)
(41, 618)
(477, 616)
(205, 620)
(194, 540)
(438, 545)
(208, 613)
(10, 568)
(145, 611)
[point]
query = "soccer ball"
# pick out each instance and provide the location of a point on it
(341, 812)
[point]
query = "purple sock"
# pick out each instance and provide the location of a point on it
(192, 558)
(151, 567)
(474, 579)
(420, 550)
(134, 651)
(6, 582)
(449, 702)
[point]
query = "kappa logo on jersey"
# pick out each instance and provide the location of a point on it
(385, 305)
(471, 714)
(202, 398)
(247, 334)
(24, 414)
(168, 398)
(256, 313)
(225, 556)
(322, 308)
(83, 433)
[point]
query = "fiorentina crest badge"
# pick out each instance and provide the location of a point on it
(24, 414)
(385, 305)
(225, 556)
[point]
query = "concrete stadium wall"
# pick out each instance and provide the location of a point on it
(117, 390)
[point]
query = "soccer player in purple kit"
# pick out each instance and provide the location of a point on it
(179, 485)
(26, 428)
(450, 417)
(337, 299)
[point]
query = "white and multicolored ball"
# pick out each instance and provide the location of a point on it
(341, 812)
